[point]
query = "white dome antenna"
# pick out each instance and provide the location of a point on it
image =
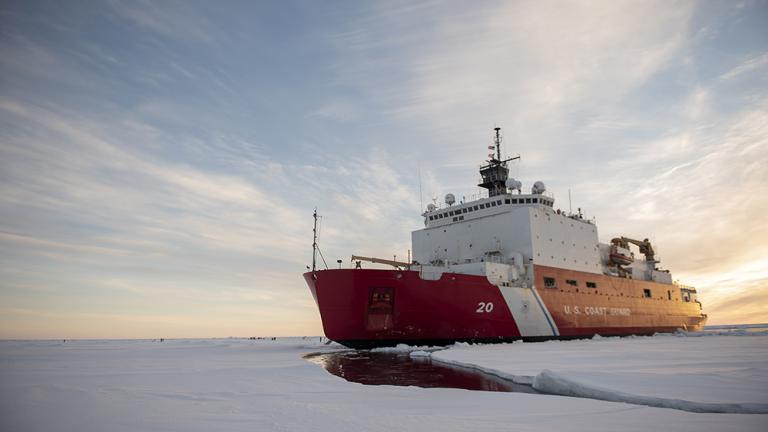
(450, 199)
(513, 184)
(538, 188)
(431, 207)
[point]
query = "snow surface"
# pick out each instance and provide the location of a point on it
(265, 385)
(716, 373)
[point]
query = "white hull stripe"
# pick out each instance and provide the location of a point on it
(550, 321)
(528, 311)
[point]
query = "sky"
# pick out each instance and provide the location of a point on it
(160, 161)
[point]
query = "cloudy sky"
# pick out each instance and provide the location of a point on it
(159, 161)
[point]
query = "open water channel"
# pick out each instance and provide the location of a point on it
(400, 369)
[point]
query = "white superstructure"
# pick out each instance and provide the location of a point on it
(509, 227)
(518, 231)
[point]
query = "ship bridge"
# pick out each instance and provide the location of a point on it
(507, 226)
(495, 178)
(484, 207)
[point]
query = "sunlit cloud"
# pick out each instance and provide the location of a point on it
(160, 161)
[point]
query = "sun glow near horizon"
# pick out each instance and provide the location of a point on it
(159, 162)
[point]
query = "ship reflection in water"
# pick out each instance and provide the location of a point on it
(399, 369)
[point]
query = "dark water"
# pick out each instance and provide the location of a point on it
(378, 368)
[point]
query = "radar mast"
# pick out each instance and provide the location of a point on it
(495, 173)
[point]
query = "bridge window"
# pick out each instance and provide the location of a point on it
(591, 285)
(475, 207)
(572, 282)
(430, 218)
(535, 200)
(455, 219)
(506, 201)
(498, 202)
(527, 200)
(550, 282)
(482, 206)
(514, 200)
(493, 203)
(463, 210)
(647, 293)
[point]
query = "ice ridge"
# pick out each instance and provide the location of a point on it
(553, 383)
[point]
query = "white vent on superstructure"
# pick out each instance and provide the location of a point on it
(514, 184)
(450, 199)
(538, 188)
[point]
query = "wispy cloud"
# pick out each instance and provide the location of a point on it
(749, 65)
(100, 204)
(169, 18)
(517, 62)
(159, 161)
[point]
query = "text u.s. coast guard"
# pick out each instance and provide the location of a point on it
(596, 310)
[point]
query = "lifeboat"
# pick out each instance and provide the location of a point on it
(621, 256)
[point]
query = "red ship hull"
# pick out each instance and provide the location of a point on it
(368, 308)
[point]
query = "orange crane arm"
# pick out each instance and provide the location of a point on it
(644, 245)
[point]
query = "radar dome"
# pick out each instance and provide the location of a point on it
(513, 184)
(431, 207)
(450, 199)
(538, 188)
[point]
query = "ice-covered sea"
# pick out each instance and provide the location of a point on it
(714, 381)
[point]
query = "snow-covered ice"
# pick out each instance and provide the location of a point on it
(263, 385)
(715, 373)
(419, 353)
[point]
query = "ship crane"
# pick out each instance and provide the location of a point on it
(393, 263)
(644, 245)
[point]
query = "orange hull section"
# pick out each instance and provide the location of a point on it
(614, 303)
